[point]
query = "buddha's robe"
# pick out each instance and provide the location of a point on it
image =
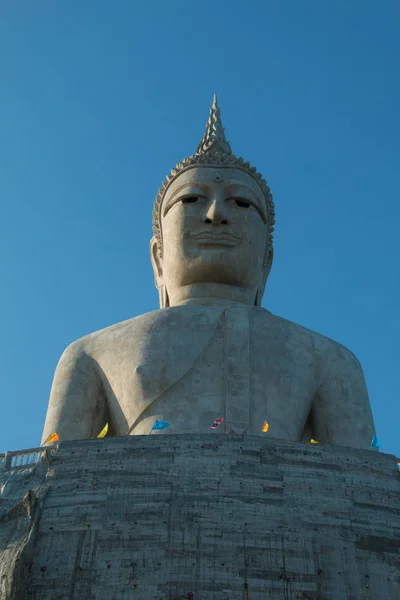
(192, 364)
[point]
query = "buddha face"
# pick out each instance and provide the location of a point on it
(214, 230)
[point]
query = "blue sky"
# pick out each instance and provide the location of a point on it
(100, 100)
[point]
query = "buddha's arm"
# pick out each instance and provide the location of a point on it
(77, 406)
(341, 411)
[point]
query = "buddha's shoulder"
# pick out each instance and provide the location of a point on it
(151, 325)
(299, 337)
(173, 326)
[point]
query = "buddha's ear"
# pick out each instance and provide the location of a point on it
(268, 264)
(156, 261)
(269, 257)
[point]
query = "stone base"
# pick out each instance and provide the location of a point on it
(202, 517)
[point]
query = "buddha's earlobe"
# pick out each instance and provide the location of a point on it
(163, 296)
(260, 289)
(268, 263)
(259, 295)
(265, 273)
(156, 261)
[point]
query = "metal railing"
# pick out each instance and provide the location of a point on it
(22, 459)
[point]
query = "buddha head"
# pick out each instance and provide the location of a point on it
(213, 221)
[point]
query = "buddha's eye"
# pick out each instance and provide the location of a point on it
(190, 200)
(242, 203)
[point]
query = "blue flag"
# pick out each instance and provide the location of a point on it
(160, 425)
(375, 443)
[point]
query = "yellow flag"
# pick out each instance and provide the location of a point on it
(265, 427)
(103, 432)
(314, 441)
(53, 437)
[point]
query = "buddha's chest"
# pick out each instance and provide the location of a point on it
(225, 368)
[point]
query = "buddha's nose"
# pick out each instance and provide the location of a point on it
(216, 214)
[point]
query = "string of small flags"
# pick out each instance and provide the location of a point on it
(159, 425)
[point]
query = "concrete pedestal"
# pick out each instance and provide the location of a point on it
(201, 517)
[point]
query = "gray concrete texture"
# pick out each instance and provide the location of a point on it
(202, 517)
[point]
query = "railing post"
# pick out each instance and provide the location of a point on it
(7, 460)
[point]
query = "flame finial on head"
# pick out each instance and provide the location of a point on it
(214, 138)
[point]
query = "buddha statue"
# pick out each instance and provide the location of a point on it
(211, 351)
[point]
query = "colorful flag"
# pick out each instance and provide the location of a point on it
(265, 427)
(53, 437)
(314, 441)
(159, 425)
(104, 431)
(375, 443)
(216, 423)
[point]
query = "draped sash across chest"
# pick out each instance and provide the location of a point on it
(165, 358)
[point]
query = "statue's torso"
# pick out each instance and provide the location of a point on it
(189, 365)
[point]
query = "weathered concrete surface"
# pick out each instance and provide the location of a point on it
(21, 500)
(212, 517)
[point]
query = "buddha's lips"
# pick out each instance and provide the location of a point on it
(222, 238)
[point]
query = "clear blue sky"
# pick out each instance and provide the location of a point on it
(99, 100)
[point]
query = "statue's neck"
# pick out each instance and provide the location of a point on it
(205, 302)
(211, 294)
